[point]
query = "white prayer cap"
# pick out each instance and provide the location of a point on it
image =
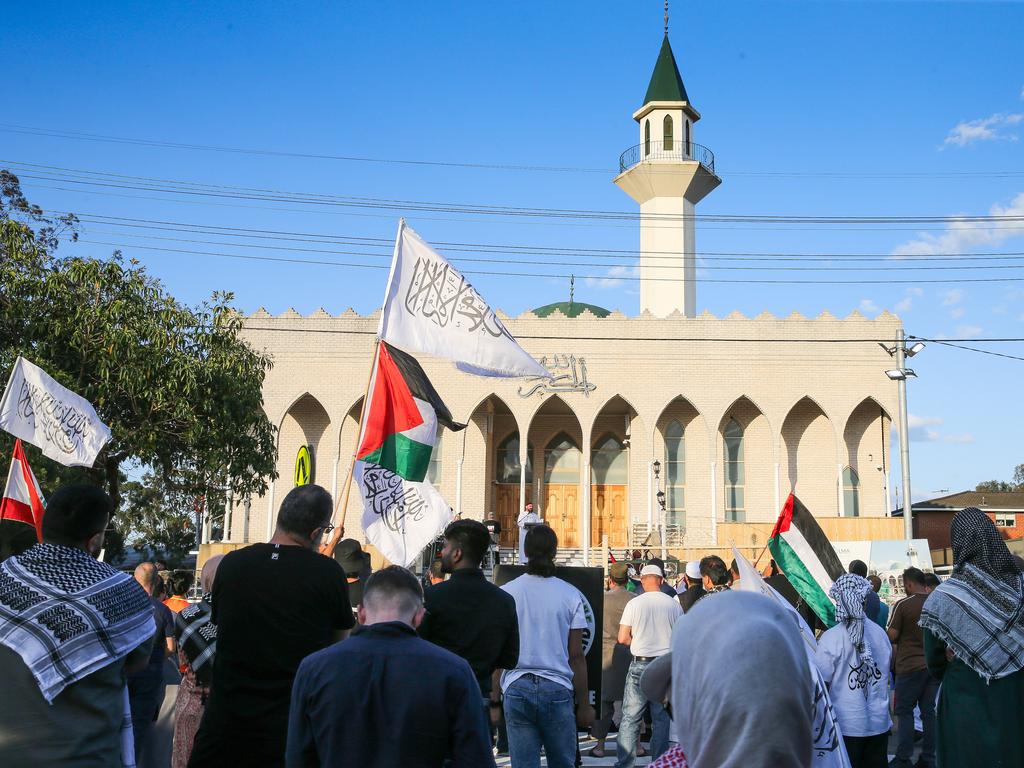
(693, 569)
(651, 570)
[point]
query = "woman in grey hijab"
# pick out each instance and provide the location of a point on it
(742, 689)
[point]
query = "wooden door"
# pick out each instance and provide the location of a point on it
(562, 512)
(507, 512)
(609, 515)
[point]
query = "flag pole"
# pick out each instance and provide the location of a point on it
(342, 501)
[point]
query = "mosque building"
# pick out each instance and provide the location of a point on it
(676, 423)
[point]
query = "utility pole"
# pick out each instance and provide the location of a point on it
(901, 388)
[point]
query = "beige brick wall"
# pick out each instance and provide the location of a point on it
(701, 370)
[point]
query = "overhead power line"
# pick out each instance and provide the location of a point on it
(504, 259)
(120, 181)
(566, 276)
(838, 175)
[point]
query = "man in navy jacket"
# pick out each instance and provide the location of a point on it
(386, 697)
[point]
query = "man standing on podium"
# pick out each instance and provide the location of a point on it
(528, 517)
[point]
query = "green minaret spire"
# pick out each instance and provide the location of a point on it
(666, 83)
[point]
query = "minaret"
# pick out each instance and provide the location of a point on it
(667, 174)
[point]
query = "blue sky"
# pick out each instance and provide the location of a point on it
(811, 108)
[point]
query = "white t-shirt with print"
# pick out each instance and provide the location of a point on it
(858, 715)
(547, 608)
(650, 617)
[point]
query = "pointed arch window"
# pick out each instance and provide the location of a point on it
(609, 462)
(668, 133)
(506, 464)
(434, 468)
(851, 493)
(675, 474)
(734, 473)
(647, 137)
(687, 149)
(562, 460)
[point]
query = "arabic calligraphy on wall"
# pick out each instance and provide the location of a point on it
(570, 375)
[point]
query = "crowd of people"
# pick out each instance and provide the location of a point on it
(292, 658)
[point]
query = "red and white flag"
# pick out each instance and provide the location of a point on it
(22, 500)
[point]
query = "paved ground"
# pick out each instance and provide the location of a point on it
(586, 743)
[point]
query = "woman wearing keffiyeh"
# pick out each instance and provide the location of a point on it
(197, 642)
(853, 658)
(974, 643)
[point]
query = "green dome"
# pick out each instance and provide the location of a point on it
(571, 309)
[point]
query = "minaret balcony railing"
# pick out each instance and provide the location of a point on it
(667, 152)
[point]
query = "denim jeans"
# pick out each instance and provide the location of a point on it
(915, 688)
(633, 703)
(539, 712)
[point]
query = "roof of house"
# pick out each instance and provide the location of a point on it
(666, 83)
(987, 500)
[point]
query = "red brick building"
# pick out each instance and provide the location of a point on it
(932, 517)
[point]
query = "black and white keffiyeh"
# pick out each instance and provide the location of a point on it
(849, 592)
(68, 615)
(978, 611)
(197, 637)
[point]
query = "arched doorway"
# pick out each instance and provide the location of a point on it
(562, 488)
(609, 477)
(506, 479)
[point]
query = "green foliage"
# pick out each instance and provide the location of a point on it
(1001, 486)
(179, 388)
(156, 516)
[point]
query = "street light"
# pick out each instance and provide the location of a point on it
(900, 374)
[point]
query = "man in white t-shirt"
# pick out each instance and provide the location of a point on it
(646, 627)
(546, 699)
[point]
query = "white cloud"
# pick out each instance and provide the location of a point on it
(922, 430)
(952, 296)
(904, 304)
(961, 235)
(968, 331)
(868, 307)
(997, 127)
(615, 277)
(999, 309)
(957, 313)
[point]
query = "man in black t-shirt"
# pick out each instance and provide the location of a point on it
(273, 604)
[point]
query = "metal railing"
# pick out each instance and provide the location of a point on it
(667, 152)
(642, 532)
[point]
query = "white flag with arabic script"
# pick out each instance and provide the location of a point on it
(40, 411)
(400, 517)
(431, 309)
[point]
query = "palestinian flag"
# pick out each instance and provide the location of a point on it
(22, 501)
(402, 511)
(806, 557)
(401, 417)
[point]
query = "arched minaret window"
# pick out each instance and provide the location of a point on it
(851, 493)
(735, 480)
(667, 133)
(647, 137)
(687, 147)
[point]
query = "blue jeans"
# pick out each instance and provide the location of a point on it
(539, 711)
(915, 688)
(633, 703)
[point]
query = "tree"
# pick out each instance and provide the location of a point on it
(995, 486)
(179, 388)
(1001, 486)
(155, 516)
